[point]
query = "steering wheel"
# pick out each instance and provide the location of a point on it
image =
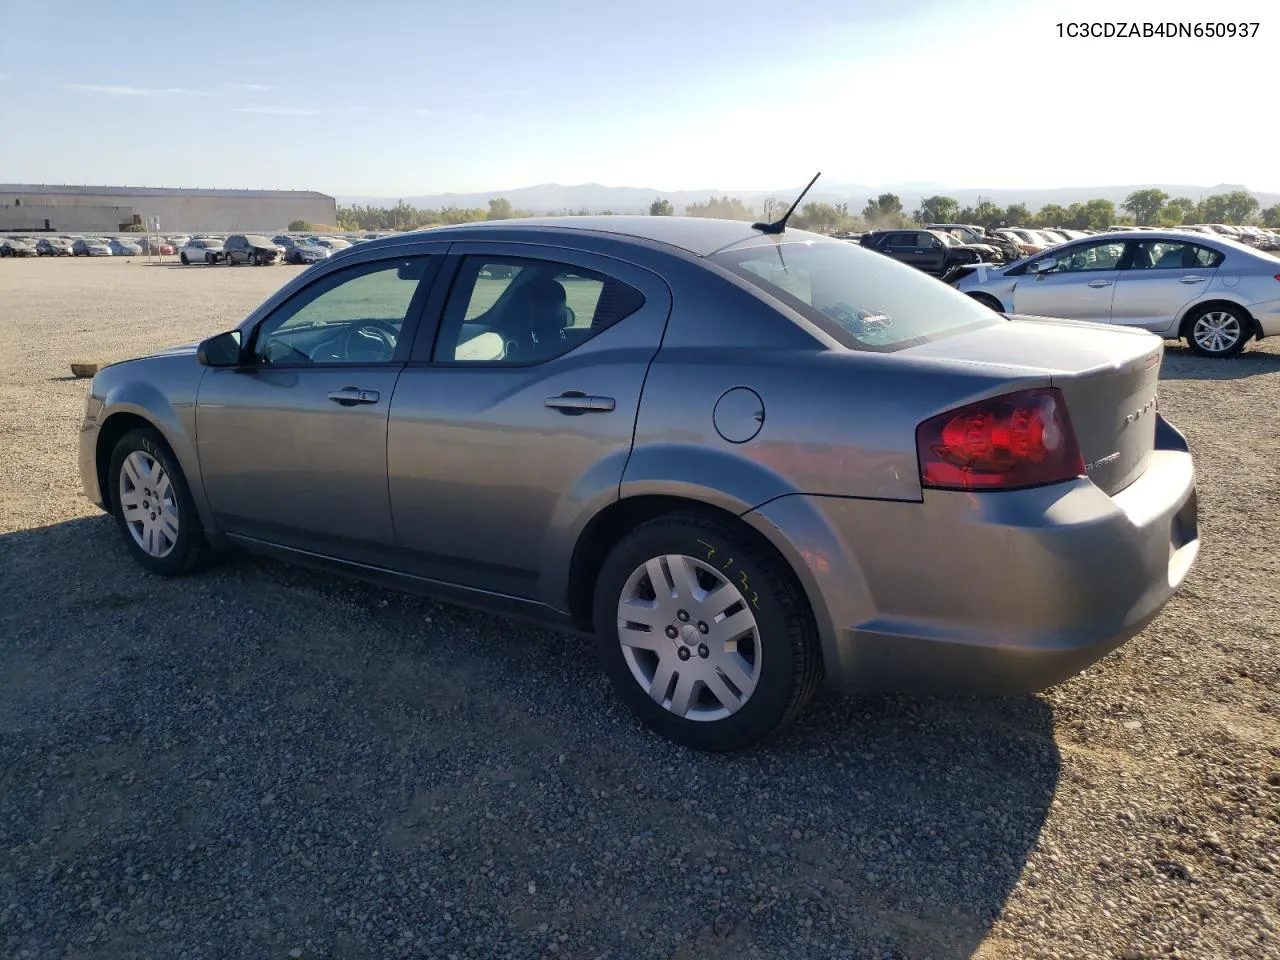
(364, 341)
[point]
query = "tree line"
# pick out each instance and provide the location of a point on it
(1141, 208)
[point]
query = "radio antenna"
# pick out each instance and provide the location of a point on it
(777, 226)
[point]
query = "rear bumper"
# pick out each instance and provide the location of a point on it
(991, 592)
(1267, 314)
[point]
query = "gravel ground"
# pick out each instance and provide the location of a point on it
(262, 762)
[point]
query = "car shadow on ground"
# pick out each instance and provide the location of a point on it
(1181, 363)
(257, 726)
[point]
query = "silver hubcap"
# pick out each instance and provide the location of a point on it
(1217, 331)
(148, 504)
(689, 637)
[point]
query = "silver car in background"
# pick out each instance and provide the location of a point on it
(90, 247)
(1213, 292)
(201, 250)
(746, 460)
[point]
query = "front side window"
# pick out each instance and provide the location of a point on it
(507, 310)
(1087, 257)
(354, 315)
(863, 301)
(1172, 255)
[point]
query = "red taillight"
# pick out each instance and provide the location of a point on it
(1022, 439)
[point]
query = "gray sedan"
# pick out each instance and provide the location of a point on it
(744, 460)
(1215, 293)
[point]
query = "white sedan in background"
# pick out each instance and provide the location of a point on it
(1215, 293)
(201, 250)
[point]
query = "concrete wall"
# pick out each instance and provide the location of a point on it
(81, 218)
(176, 212)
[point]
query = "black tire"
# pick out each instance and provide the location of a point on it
(988, 301)
(185, 261)
(1243, 328)
(191, 550)
(790, 654)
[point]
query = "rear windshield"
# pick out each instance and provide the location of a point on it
(864, 300)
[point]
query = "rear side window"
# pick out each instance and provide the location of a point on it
(506, 310)
(862, 300)
(1172, 255)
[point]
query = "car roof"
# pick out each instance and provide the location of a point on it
(701, 236)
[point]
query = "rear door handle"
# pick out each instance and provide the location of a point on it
(1099, 283)
(350, 396)
(1192, 279)
(573, 401)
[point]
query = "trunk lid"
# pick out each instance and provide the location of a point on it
(1108, 377)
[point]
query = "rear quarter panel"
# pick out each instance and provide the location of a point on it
(836, 422)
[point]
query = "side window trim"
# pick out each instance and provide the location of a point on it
(412, 317)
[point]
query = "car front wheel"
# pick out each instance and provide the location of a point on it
(1217, 331)
(153, 506)
(185, 261)
(704, 633)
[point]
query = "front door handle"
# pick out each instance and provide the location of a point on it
(1192, 279)
(574, 401)
(350, 396)
(1097, 284)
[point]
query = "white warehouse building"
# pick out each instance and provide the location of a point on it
(42, 207)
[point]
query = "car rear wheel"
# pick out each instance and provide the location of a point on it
(1217, 330)
(153, 506)
(704, 634)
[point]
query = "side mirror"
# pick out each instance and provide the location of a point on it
(1041, 267)
(936, 244)
(222, 350)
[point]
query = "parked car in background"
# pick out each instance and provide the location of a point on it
(124, 247)
(979, 505)
(53, 247)
(201, 250)
(1025, 246)
(156, 245)
(299, 250)
(969, 233)
(922, 249)
(251, 248)
(178, 242)
(1215, 293)
(91, 247)
(987, 252)
(17, 247)
(333, 244)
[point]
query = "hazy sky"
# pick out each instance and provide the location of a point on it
(400, 98)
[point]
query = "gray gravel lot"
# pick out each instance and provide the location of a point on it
(264, 762)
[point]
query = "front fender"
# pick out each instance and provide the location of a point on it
(166, 399)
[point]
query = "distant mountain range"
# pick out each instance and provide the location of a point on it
(554, 197)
